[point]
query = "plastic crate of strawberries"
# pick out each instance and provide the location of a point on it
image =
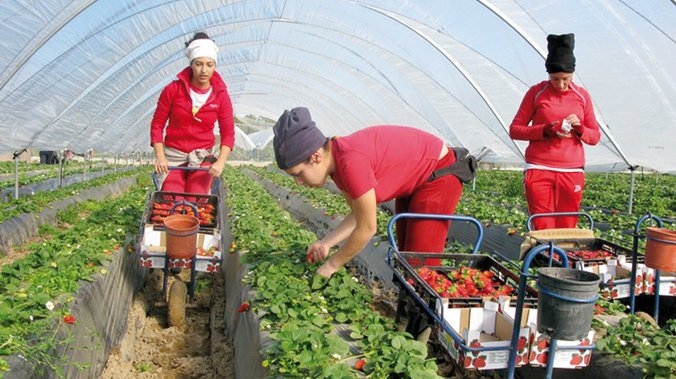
(463, 280)
(583, 252)
(162, 204)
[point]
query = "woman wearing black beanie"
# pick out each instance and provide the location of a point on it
(556, 117)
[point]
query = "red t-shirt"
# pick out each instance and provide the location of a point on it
(394, 160)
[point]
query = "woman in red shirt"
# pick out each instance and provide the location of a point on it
(373, 165)
(182, 128)
(556, 117)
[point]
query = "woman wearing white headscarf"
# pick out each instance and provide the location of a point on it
(182, 128)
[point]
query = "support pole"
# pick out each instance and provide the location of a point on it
(15, 156)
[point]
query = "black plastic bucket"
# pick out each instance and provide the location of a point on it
(566, 302)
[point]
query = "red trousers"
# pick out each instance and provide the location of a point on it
(552, 192)
(440, 196)
(188, 181)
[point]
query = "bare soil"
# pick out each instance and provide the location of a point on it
(152, 349)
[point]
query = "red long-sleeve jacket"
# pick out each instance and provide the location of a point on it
(184, 131)
(543, 104)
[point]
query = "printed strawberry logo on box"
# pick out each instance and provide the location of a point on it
(485, 334)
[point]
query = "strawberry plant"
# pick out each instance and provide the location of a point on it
(36, 291)
(300, 310)
(37, 202)
(641, 343)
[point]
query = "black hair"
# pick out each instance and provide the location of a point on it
(198, 35)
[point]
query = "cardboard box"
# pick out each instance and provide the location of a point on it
(616, 278)
(667, 282)
(153, 249)
(565, 357)
(481, 327)
(539, 343)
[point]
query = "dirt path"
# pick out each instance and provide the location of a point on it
(151, 349)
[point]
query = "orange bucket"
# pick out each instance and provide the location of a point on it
(660, 249)
(181, 232)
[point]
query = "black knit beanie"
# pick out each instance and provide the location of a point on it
(296, 137)
(560, 56)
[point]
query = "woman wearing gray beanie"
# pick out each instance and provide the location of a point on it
(371, 166)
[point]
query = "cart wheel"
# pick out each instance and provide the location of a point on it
(176, 307)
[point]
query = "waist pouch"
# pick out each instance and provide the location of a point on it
(464, 168)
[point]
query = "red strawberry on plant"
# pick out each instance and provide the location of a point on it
(69, 319)
(359, 365)
(243, 307)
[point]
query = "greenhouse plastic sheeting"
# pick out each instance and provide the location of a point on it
(87, 74)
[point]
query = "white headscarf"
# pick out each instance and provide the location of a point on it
(202, 48)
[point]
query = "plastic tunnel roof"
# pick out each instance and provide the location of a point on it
(87, 74)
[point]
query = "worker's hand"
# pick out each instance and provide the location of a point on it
(216, 169)
(574, 121)
(552, 129)
(327, 269)
(161, 165)
(317, 252)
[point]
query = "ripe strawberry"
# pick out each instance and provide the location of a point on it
(359, 365)
(69, 319)
(243, 307)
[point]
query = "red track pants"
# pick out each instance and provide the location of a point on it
(550, 192)
(440, 196)
(188, 181)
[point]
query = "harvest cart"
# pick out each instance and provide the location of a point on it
(160, 240)
(442, 311)
(621, 279)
